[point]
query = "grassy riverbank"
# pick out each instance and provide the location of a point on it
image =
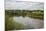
(12, 25)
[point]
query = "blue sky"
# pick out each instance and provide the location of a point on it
(27, 5)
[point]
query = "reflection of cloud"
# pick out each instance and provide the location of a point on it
(12, 4)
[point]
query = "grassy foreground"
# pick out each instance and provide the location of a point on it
(11, 25)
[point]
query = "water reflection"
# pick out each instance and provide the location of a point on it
(29, 22)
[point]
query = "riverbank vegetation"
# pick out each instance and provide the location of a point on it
(38, 14)
(11, 25)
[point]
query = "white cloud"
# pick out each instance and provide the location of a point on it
(12, 4)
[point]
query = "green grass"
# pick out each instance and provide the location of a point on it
(11, 25)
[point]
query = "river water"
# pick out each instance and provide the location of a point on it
(29, 22)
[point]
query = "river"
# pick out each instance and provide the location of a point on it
(29, 22)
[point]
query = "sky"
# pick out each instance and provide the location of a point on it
(23, 5)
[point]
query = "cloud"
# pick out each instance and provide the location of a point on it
(12, 4)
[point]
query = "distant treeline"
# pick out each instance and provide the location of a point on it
(30, 13)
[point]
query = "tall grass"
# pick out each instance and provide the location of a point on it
(11, 25)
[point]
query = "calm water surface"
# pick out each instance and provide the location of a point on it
(29, 22)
